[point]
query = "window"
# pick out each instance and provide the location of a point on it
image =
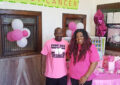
(32, 21)
(73, 17)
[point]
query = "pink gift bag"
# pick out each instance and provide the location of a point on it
(105, 62)
(107, 59)
(117, 65)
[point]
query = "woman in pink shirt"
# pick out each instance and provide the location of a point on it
(83, 58)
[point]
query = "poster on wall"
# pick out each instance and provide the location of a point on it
(113, 17)
(67, 4)
(113, 36)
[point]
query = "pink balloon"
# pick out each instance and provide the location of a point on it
(25, 33)
(100, 21)
(17, 34)
(72, 26)
(98, 16)
(9, 36)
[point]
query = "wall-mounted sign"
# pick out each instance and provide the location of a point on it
(67, 4)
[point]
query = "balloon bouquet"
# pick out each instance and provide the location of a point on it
(72, 27)
(100, 25)
(19, 34)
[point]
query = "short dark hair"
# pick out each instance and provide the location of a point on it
(57, 29)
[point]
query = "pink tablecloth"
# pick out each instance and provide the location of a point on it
(106, 79)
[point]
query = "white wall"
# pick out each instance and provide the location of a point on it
(52, 17)
(106, 1)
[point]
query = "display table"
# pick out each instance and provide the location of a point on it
(106, 79)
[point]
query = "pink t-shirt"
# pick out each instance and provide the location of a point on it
(56, 58)
(79, 69)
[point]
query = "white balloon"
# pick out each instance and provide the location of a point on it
(80, 26)
(17, 24)
(22, 43)
(27, 31)
(69, 33)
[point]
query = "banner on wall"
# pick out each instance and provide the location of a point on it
(67, 4)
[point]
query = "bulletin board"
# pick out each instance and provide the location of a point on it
(99, 42)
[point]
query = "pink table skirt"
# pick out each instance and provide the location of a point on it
(106, 79)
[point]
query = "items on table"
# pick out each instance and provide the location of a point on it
(111, 64)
